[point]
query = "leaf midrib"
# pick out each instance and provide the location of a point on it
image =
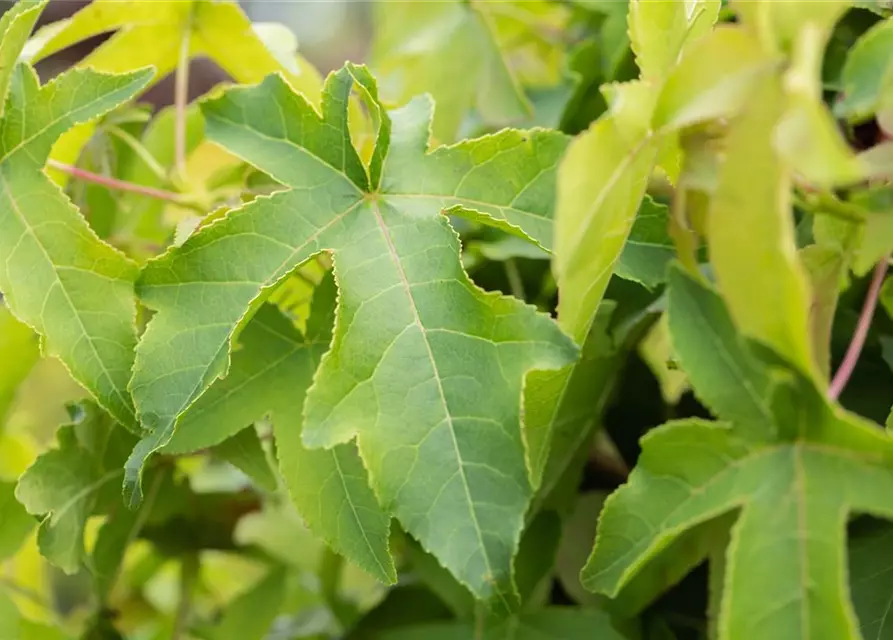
(395, 258)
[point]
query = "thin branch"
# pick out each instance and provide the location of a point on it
(855, 349)
(181, 97)
(117, 185)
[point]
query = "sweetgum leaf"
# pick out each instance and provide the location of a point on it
(56, 275)
(481, 42)
(425, 370)
(15, 27)
(66, 484)
(649, 248)
(871, 580)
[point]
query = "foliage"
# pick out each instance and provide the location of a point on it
(558, 320)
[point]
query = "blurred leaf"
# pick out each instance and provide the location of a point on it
(488, 44)
(578, 532)
(867, 76)
(68, 483)
(251, 615)
(15, 523)
(751, 235)
(658, 353)
(649, 248)
(19, 352)
(245, 452)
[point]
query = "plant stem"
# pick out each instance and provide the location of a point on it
(516, 283)
(188, 578)
(181, 97)
(855, 349)
(114, 183)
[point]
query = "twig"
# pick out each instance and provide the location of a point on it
(118, 185)
(181, 97)
(188, 577)
(855, 349)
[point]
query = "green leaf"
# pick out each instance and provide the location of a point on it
(438, 438)
(601, 184)
(649, 248)
(13, 626)
(68, 483)
(250, 616)
(726, 376)
(270, 375)
(15, 27)
(482, 41)
(658, 31)
(245, 452)
(563, 408)
(868, 75)
(871, 580)
(785, 569)
(555, 623)
(19, 352)
(750, 234)
(15, 523)
(57, 276)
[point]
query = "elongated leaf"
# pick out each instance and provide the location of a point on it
(66, 484)
(601, 184)
(726, 376)
(871, 578)
(441, 440)
(785, 570)
(750, 233)
(649, 248)
(270, 375)
(57, 276)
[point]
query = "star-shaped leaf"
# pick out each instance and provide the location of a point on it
(66, 484)
(270, 375)
(55, 274)
(425, 369)
(789, 497)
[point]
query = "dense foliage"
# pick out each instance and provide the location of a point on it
(348, 358)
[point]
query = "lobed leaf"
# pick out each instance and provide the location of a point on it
(440, 439)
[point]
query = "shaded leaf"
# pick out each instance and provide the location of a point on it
(15, 523)
(245, 452)
(870, 563)
(251, 615)
(867, 75)
(649, 248)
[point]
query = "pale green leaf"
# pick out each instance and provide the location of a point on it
(269, 376)
(19, 352)
(66, 483)
(482, 41)
(555, 623)
(726, 376)
(785, 570)
(649, 248)
(15, 27)
(15, 523)
(57, 276)
(750, 233)
(827, 268)
(714, 79)
(659, 30)
(441, 439)
(601, 183)
(868, 75)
